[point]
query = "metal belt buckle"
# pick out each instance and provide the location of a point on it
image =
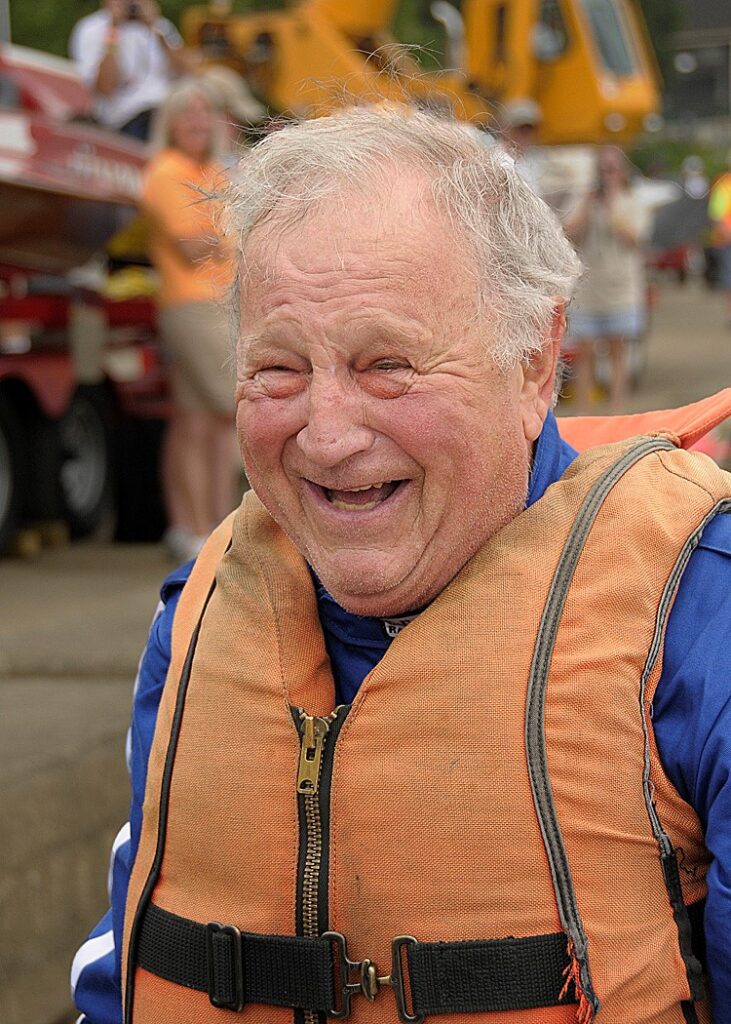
(397, 980)
(234, 1001)
(361, 977)
(347, 987)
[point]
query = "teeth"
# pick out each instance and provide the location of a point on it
(336, 496)
(347, 506)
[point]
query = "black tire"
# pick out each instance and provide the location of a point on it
(12, 463)
(85, 471)
(140, 508)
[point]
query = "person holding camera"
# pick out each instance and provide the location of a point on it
(128, 55)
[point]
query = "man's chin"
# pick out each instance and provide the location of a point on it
(373, 587)
(361, 583)
(379, 606)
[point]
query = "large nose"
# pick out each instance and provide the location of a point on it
(335, 428)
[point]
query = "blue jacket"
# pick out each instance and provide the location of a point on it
(691, 719)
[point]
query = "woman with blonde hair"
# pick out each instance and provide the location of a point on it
(195, 272)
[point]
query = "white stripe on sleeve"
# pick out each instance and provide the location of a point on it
(122, 837)
(128, 740)
(92, 950)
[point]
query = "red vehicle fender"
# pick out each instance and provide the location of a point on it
(49, 376)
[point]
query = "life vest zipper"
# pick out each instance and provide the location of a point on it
(318, 736)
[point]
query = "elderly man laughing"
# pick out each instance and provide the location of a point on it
(432, 735)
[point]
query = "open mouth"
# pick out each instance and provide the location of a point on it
(361, 499)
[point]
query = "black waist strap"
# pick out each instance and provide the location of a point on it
(483, 976)
(487, 976)
(235, 968)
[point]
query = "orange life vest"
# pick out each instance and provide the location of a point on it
(687, 424)
(494, 790)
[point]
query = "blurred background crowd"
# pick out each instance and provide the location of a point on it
(120, 122)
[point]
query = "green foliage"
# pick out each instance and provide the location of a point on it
(47, 24)
(652, 155)
(414, 25)
(663, 17)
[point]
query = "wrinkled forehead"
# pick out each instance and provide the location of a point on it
(397, 228)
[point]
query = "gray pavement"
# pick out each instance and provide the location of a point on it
(72, 624)
(689, 348)
(63, 797)
(78, 610)
(687, 351)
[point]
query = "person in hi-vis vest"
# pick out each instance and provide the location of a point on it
(437, 726)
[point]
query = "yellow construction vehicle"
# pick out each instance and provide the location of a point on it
(586, 63)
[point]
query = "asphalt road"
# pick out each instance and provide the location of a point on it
(72, 624)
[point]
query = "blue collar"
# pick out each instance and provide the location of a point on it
(552, 456)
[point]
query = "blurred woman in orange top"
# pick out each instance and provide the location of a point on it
(193, 262)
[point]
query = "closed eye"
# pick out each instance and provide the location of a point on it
(275, 370)
(278, 380)
(389, 364)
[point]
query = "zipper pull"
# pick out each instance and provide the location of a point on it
(313, 741)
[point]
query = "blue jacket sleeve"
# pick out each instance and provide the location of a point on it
(96, 970)
(692, 723)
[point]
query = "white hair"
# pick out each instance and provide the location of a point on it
(523, 264)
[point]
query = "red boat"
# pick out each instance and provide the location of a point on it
(65, 185)
(80, 375)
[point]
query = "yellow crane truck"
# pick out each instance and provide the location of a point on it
(586, 63)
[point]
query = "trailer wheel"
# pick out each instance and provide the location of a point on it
(11, 468)
(86, 471)
(140, 509)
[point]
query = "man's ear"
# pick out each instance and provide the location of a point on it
(539, 377)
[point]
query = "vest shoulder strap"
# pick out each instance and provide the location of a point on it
(195, 591)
